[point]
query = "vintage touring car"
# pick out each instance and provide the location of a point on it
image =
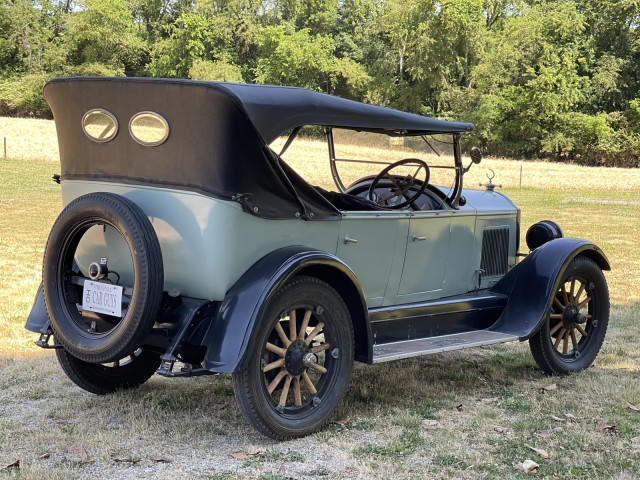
(188, 246)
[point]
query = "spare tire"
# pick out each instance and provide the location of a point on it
(91, 336)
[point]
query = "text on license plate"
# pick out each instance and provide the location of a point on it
(102, 298)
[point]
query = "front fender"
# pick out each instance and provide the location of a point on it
(229, 340)
(531, 285)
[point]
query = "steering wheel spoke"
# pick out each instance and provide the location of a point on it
(409, 187)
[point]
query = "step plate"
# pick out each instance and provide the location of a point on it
(424, 346)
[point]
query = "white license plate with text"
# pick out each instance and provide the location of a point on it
(102, 298)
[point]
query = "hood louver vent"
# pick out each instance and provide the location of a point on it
(495, 251)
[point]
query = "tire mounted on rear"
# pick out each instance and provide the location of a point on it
(99, 338)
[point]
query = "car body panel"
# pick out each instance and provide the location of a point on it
(206, 243)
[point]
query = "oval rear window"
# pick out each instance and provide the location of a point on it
(99, 125)
(149, 128)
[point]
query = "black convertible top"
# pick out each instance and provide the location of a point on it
(275, 110)
(219, 137)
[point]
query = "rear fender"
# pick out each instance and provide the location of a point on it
(38, 321)
(230, 338)
(532, 283)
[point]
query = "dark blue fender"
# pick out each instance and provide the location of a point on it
(532, 284)
(38, 321)
(229, 340)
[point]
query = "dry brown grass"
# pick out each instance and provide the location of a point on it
(29, 138)
(377, 431)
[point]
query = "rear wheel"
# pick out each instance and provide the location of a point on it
(115, 231)
(301, 363)
(570, 339)
(103, 378)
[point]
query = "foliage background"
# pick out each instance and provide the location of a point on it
(540, 78)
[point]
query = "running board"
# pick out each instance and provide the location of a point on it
(424, 346)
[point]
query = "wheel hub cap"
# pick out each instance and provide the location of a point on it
(298, 358)
(571, 317)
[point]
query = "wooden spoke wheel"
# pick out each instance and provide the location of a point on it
(301, 363)
(571, 337)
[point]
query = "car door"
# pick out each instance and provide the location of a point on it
(426, 257)
(372, 244)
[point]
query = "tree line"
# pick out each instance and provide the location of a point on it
(539, 78)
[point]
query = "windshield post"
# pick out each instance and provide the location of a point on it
(332, 160)
(457, 189)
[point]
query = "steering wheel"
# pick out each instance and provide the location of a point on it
(401, 184)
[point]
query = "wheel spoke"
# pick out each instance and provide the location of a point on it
(565, 342)
(292, 326)
(318, 368)
(574, 340)
(277, 350)
(580, 290)
(559, 338)
(307, 381)
(582, 331)
(571, 289)
(297, 394)
(584, 302)
(558, 304)
(555, 328)
(276, 381)
(282, 335)
(305, 324)
(565, 297)
(273, 365)
(320, 348)
(314, 333)
(285, 391)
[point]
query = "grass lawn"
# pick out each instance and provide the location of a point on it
(488, 407)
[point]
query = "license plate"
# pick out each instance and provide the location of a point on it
(102, 298)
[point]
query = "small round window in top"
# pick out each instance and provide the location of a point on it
(100, 125)
(149, 129)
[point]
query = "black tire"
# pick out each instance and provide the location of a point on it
(102, 379)
(328, 346)
(97, 338)
(570, 338)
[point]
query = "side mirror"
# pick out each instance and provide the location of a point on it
(476, 155)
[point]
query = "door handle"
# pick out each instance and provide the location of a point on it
(348, 239)
(416, 238)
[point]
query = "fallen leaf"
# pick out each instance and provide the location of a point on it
(430, 424)
(487, 400)
(549, 432)
(342, 422)
(125, 460)
(159, 459)
(502, 430)
(459, 407)
(570, 416)
(44, 455)
(558, 419)
(528, 466)
(543, 453)
(242, 455)
(633, 408)
(15, 464)
(548, 388)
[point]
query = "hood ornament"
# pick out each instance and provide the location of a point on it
(491, 186)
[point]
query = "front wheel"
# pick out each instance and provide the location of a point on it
(571, 337)
(301, 362)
